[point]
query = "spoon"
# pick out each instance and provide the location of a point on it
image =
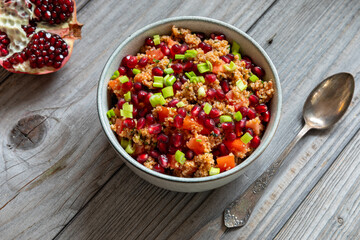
(325, 105)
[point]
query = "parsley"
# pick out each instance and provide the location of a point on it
(157, 61)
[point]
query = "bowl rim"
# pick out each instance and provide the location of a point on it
(116, 145)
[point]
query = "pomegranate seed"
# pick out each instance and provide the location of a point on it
(134, 100)
(177, 67)
(216, 152)
(183, 79)
(251, 113)
(202, 116)
(211, 93)
(230, 56)
(254, 100)
(261, 108)
(142, 95)
(209, 124)
(258, 71)
(173, 103)
(214, 113)
(129, 123)
(205, 47)
(178, 121)
(177, 86)
(247, 58)
(200, 35)
(250, 131)
(188, 66)
(162, 138)
(147, 99)
(217, 131)
(195, 110)
(223, 149)
(210, 78)
(121, 103)
(150, 118)
(163, 148)
(155, 128)
(157, 71)
(142, 158)
(225, 85)
(189, 155)
(163, 161)
(141, 123)
(172, 150)
(265, 116)
(255, 142)
(137, 86)
(149, 42)
(127, 86)
(165, 50)
(244, 111)
(158, 168)
(242, 123)
(122, 70)
(220, 94)
(7, 64)
(220, 37)
(175, 49)
(129, 61)
(143, 61)
(247, 63)
(177, 139)
(183, 48)
(225, 59)
(135, 111)
(216, 120)
(154, 153)
(228, 126)
(182, 112)
(230, 136)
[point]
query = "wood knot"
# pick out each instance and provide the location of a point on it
(28, 132)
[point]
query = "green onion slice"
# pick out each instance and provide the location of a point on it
(169, 81)
(124, 142)
(180, 157)
(126, 114)
(231, 67)
(235, 48)
(123, 79)
(110, 113)
(207, 108)
(241, 85)
(168, 91)
(129, 149)
(127, 96)
(246, 138)
(168, 71)
(179, 56)
(128, 107)
(201, 92)
(225, 118)
(214, 171)
(238, 116)
(253, 78)
(156, 39)
(180, 104)
(136, 71)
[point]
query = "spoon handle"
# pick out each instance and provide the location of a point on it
(239, 211)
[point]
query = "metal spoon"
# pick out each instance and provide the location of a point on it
(325, 105)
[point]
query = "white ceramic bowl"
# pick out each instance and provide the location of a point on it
(132, 45)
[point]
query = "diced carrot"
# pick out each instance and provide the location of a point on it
(190, 124)
(226, 162)
(171, 42)
(163, 113)
(255, 125)
(115, 84)
(196, 145)
(155, 54)
(217, 68)
(236, 146)
(119, 126)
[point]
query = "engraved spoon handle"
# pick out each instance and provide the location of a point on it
(238, 212)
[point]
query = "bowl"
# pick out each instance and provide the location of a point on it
(132, 45)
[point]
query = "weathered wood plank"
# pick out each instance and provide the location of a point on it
(44, 181)
(331, 210)
(303, 57)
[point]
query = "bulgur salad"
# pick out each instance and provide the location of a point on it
(189, 105)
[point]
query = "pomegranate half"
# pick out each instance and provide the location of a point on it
(37, 36)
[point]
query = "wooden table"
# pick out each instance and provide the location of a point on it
(60, 178)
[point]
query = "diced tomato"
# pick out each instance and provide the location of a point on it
(255, 125)
(115, 84)
(119, 126)
(229, 95)
(197, 146)
(218, 68)
(190, 123)
(172, 161)
(163, 113)
(171, 42)
(155, 54)
(226, 162)
(236, 146)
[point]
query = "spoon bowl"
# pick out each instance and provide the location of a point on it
(328, 102)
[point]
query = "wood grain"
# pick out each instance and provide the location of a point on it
(307, 41)
(331, 209)
(44, 187)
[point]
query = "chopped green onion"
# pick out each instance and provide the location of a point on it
(156, 61)
(169, 81)
(128, 107)
(127, 96)
(158, 79)
(192, 74)
(180, 157)
(110, 113)
(201, 92)
(203, 67)
(179, 56)
(214, 171)
(124, 79)
(115, 75)
(157, 99)
(190, 53)
(209, 65)
(235, 48)
(238, 54)
(225, 118)
(156, 39)
(207, 108)
(253, 78)
(201, 79)
(168, 91)
(129, 149)
(198, 140)
(231, 67)
(136, 71)
(158, 85)
(238, 116)
(168, 71)
(180, 104)
(246, 138)
(194, 79)
(126, 114)
(188, 75)
(124, 142)
(241, 85)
